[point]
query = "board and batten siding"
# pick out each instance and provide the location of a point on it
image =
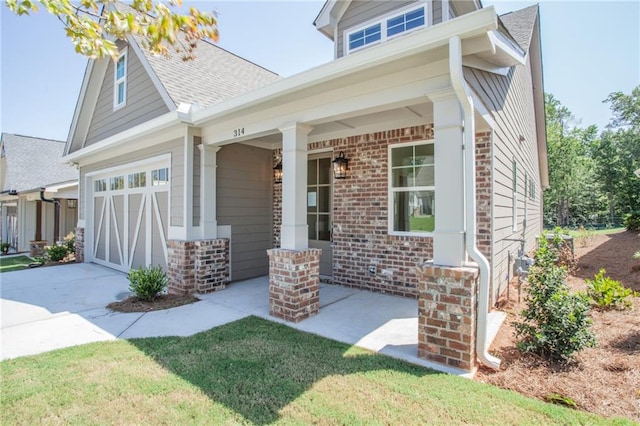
(510, 100)
(143, 101)
(244, 202)
(176, 175)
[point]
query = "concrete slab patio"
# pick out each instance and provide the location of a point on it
(50, 308)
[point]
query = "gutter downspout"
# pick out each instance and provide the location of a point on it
(461, 91)
(56, 215)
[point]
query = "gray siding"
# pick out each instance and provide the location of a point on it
(510, 100)
(362, 11)
(143, 101)
(176, 174)
(244, 201)
(437, 11)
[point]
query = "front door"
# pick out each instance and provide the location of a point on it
(319, 208)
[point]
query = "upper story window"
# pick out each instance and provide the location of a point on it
(120, 82)
(386, 27)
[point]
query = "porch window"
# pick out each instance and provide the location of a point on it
(412, 188)
(120, 82)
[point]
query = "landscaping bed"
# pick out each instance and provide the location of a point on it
(604, 379)
(163, 301)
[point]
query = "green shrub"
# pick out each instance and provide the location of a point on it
(56, 253)
(556, 323)
(632, 221)
(607, 293)
(70, 242)
(636, 255)
(146, 283)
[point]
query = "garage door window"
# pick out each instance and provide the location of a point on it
(138, 180)
(117, 183)
(100, 185)
(160, 177)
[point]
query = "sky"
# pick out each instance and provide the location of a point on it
(590, 49)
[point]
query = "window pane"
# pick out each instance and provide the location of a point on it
(160, 177)
(424, 154)
(414, 211)
(402, 156)
(117, 183)
(312, 172)
(312, 199)
(324, 233)
(120, 68)
(325, 170)
(372, 34)
(323, 199)
(138, 180)
(402, 178)
(311, 221)
(425, 176)
(120, 93)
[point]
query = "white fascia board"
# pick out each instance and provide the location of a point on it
(62, 186)
(152, 126)
(328, 18)
(470, 25)
(503, 45)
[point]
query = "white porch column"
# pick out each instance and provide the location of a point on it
(208, 182)
(448, 241)
(294, 233)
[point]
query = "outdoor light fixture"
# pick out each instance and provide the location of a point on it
(72, 203)
(277, 173)
(340, 166)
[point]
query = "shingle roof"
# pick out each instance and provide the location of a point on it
(34, 162)
(520, 24)
(213, 76)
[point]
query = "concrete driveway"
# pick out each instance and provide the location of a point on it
(55, 307)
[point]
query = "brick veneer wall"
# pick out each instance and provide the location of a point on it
(79, 245)
(197, 266)
(447, 314)
(294, 287)
(360, 213)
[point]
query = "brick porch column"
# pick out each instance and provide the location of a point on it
(180, 266)
(211, 265)
(447, 312)
(294, 283)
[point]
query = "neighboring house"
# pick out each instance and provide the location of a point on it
(438, 107)
(28, 164)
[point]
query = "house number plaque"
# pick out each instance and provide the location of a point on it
(238, 132)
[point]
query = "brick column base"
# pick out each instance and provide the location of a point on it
(197, 266)
(294, 283)
(79, 245)
(447, 311)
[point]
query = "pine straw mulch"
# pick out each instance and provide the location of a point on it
(603, 380)
(163, 301)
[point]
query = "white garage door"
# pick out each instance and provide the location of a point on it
(130, 212)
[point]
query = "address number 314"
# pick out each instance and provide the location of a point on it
(238, 132)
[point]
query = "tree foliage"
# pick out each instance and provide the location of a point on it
(94, 25)
(591, 176)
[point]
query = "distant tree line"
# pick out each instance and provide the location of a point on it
(591, 175)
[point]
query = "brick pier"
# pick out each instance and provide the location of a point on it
(197, 266)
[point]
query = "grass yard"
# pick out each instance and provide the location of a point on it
(422, 223)
(252, 371)
(15, 263)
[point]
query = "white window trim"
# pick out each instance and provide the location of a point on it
(123, 79)
(391, 190)
(382, 20)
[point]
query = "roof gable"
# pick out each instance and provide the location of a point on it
(520, 24)
(31, 163)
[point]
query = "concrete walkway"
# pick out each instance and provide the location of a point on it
(55, 307)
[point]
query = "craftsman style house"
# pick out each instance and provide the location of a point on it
(431, 113)
(31, 218)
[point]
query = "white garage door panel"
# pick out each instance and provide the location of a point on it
(130, 221)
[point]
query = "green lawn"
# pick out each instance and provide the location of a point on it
(580, 233)
(422, 223)
(252, 371)
(8, 264)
